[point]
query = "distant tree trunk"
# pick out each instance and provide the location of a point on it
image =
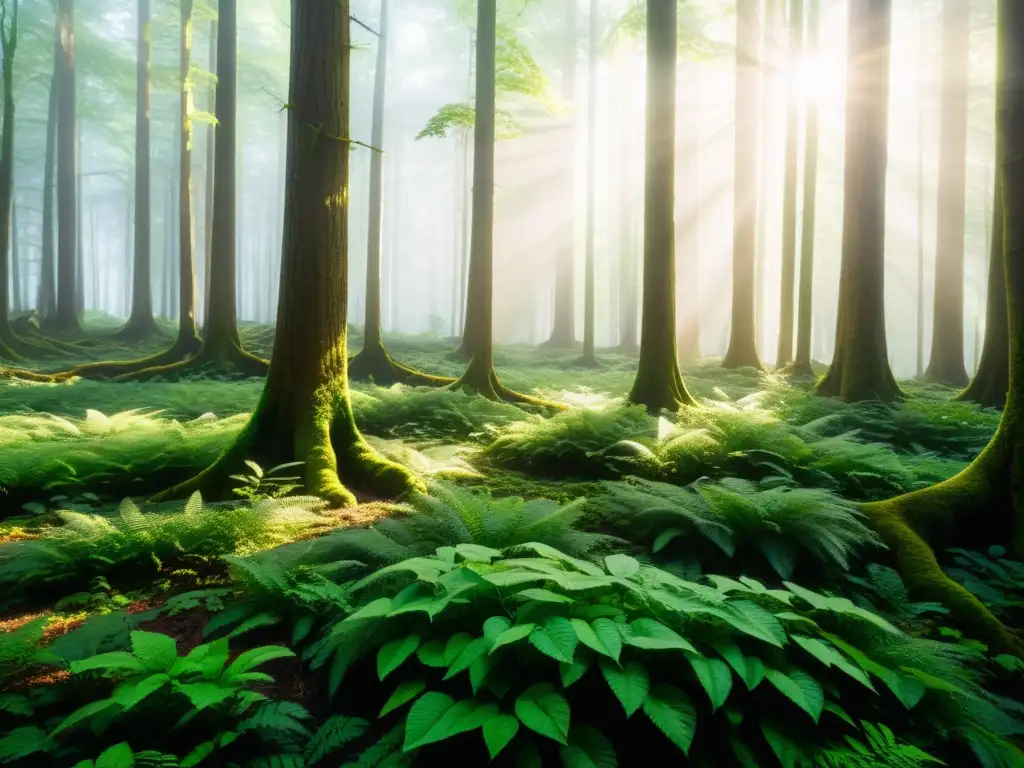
(211, 142)
(188, 336)
(373, 361)
(628, 290)
(805, 321)
(688, 225)
(769, 63)
(9, 43)
(46, 300)
(920, 235)
(946, 364)
(563, 332)
(17, 281)
(80, 228)
(784, 355)
(588, 357)
(991, 382)
(659, 384)
(305, 414)
(66, 319)
(742, 350)
(860, 368)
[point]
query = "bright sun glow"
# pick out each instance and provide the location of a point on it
(819, 77)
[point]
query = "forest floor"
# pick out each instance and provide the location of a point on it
(762, 483)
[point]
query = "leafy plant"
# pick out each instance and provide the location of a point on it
(993, 577)
(260, 485)
(880, 747)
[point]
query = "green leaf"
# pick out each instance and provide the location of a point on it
(835, 709)
(830, 657)
(498, 732)
(455, 645)
(788, 753)
(749, 668)
(436, 716)
(555, 638)
(115, 660)
(673, 714)
(800, 688)
(119, 755)
(586, 635)
(512, 635)
(432, 654)
(334, 734)
(665, 538)
(205, 694)
(197, 755)
(403, 693)
(493, 629)
(542, 595)
(22, 742)
(373, 610)
(571, 673)
(629, 683)
(909, 690)
(130, 693)
(475, 553)
(716, 678)
(757, 622)
(588, 748)
(652, 635)
(478, 672)
(545, 711)
(156, 652)
(622, 566)
(391, 656)
(83, 713)
(255, 657)
(470, 653)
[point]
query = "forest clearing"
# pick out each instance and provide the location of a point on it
(516, 382)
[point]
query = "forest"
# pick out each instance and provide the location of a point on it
(579, 383)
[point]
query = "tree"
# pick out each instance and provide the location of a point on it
(742, 350)
(805, 320)
(46, 300)
(989, 385)
(65, 318)
(305, 413)
(784, 354)
(588, 358)
(141, 322)
(373, 361)
(659, 383)
(987, 498)
(9, 44)
(860, 365)
(563, 331)
(946, 364)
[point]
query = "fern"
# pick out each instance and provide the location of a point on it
(879, 748)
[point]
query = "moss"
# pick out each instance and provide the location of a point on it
(373, 363)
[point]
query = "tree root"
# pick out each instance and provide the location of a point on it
(914, 525)
(325, 439)
(798, 369)
(138, 328)
(660, 389)
(227, 356)
(988, 389)
(376, 365)
(585, 361)
(480, 379)
(180, 351)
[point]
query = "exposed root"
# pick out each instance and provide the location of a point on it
(180, 351)
(18, 373)
(660, 389)
(229, 357)
(481, 379)
(798, 369)
(585, 361)
(138, 328)
(988, 389)
(375, 364)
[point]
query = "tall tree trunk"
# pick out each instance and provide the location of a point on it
(211, 143)
(920, 231)
(17, 279)
(305, 413)
(563, 331)
(688, 205)
(80, 226)
(805, 321)
(66, 319)
(588, 357)
(784, 354)
(984, 504)
(742, 350)
(860, 368)
(990, 383)
(46, 301)
(628, 250)
(188, 336)
(946, 364)
(769, 78)
(9, 43)
(659, 384)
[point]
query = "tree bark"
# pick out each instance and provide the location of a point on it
(860, 367)
(211, 141)
(920, 231)
(66, 319)
(9, 43)
(989, 386)
(659, 383)
(46, 301)
(563, 332)
(769, 58)
(784, 353)
(985, 502)
(17, 280)
(373, 361)
(805, 321)
(688, 221)
(946, 364)
(742, 352)
(304, 413)
(589, 358)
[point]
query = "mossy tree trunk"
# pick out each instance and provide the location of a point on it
(688, 221)
(992, 380)
(742, 350)
(373, 361)
(589, 357)
(141, 322)
(860, 366)
(211, 134)
(304, 413)
(984, 504)
(805, 318)
(9, 44)
(563, 331)
(784, 353)
(659, 383)
(66, 319)
(946, 364)
(46, 299)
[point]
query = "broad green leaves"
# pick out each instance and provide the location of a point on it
(545, 711)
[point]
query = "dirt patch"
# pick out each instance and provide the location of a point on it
(186, 627)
